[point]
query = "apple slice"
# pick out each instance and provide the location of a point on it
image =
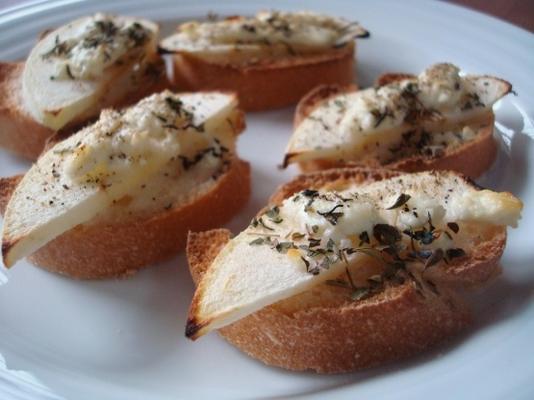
(315, 236)
(346, 125)
(89, 63)
(81, 176)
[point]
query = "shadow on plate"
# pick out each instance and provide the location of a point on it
(510, 170)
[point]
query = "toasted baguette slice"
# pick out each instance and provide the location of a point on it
(323, 330)
(269, 85)
(100, 249)
(22, 135)
(271, 59)
(472, 158)
(467, 146)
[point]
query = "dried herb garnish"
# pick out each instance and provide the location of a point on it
(297, 235)
(137, 34)
(401, 200)
(435, 257)
(424, 236)
(356, 293)
(69, 72)
(473, 100)
(306, 263)
(107, 27)
(453, 226)
(386, 234)
(283, 247)
(259, 222)
(381, 115)
(176, 105)
(311, 195)
(248, 28)
(332, 216)
(60, 49)
(257, 241)
(188, 163)
(314, 243)
(330, 244)
(159, 117)
(274, 215)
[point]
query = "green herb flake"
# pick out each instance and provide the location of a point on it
(401, 200)
(453, 226)
(257, 241)
(283, 247)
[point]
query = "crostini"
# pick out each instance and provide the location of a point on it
(438, 120)
(123, 193)
(271, 60)
(350, 268)
(72, 73)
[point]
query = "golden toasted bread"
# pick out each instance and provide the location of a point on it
(426, 140)
(22, 135)
(121, 247)
(473, 158)
(324, 330)
(271, 60)
(92, 227)
(265, 86)
(42, 96)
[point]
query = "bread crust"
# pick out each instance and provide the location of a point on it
(472, 158)
(270, 84)
(116, 249)
(324, 331)
(22, 135)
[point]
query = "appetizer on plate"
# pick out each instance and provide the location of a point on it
(74, 72)
(438, 120)
(349, 268)
(123, 193)
(271, 60)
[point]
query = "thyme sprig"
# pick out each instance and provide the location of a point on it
(332, 215)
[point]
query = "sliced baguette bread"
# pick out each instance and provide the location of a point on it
(21, 130)
(264, 81)
(471, 158)
(100, 249)
(324, 330)
(469, 148)
(179, 172)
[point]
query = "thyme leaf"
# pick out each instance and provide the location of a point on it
(401, 200)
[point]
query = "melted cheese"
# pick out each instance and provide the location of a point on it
(352, 125)
(267, 35)
(314, 236)
(163, 130)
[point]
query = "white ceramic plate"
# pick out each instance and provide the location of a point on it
(124, 339)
